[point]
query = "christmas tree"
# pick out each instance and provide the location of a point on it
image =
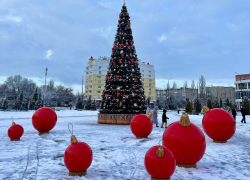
(124, 92)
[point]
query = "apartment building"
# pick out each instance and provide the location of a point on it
(95, 74)
(242, 88)
(221, 92)
(183, 93)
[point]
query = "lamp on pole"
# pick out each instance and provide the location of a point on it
(241, 92)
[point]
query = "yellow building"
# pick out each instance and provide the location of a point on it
(95, 75)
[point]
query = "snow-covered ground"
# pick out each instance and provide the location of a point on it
(117, 154)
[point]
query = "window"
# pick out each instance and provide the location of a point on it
(98, 91)
(99, 81)
(150, 79)
(99, 76)
(142, 70)
(100, 72)
(242, 85)
(100, 67)
(99, 86)
(150, 85)
(149, 71)
(87, 72)
(149, 75)
(249, 85)
(149, 89)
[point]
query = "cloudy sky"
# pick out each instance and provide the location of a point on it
(184, 39)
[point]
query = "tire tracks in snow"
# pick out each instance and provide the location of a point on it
(31, 168)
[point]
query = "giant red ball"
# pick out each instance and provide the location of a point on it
(78, 157)
(44, 119)
(159, 167)
(15, 132)
(218, 124)
(141, 126)
(187, 143)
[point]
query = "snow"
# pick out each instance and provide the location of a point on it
(117, 154)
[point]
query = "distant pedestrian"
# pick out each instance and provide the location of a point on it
(178, 110)
(164, 119)
(155, 116)
(234, 113)
(243, 112)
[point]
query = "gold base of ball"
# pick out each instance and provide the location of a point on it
(159, 179)
(217, 141)
(187, 165)
(141, 137)
(78, 173)
(14, 139)
(43, 132)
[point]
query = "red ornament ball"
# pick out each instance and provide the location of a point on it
(44, 119)
(186, 141)
(218, 124)
(159, 167)
(15, 131)
(124, 107)
(141, 126)
(78, 157)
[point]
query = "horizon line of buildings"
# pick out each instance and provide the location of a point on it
(96, 70)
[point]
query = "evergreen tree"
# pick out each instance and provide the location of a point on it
(246, 104)
(216, 104)
(227, 102)
(197, 105)
(35, 96)
(209, 103)
(220, 103)
(93, 105)
(188, 106)
(88, 104)
(124, 92)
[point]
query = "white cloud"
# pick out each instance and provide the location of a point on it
(104, 32)
(11, 19)
(49, 53)
(162, 38)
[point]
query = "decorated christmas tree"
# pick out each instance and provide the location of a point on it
(124, 92)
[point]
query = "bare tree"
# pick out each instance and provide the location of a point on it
(202, 82)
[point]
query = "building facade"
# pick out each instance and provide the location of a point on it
(242, 88)
(95, 74)
(221, 92)
(183, 93)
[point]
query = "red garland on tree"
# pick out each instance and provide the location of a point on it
(77, 157)
(218, 124)
(44, 119)
(186, 141)
(15, 131)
